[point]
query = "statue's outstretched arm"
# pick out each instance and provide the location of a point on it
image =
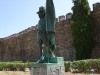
(50, 12)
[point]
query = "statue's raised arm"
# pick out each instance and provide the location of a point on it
(50, 15)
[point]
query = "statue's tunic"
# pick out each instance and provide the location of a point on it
(42, 31)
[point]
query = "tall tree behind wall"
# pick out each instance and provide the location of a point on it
(82, 29)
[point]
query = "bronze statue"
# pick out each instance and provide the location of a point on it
(46, 31)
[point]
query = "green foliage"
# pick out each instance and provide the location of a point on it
(86, 66)
(81, 66)
(67, 66)
(95, 64)
(82, 29)
(91, 65)
(14, 66)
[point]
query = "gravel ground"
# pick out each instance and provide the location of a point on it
(27, 73)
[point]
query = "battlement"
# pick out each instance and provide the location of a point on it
(64, 17)
(96, 6)
(61, 18)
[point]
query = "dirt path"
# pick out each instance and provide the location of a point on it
(27, 73)
(69, 73)
(14, 73)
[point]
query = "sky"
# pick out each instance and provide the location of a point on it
(17, 15)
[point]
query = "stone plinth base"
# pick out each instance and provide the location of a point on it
(55, 68)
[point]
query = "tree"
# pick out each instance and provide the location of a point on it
(82, 29)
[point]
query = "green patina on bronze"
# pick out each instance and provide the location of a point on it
(46, 31)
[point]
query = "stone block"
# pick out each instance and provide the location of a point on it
(56, 68)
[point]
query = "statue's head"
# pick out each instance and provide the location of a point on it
(41, 12)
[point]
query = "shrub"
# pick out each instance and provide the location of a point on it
(80, 66)
(1, 66)
(14, 66)
(67, 66)
(90, 65)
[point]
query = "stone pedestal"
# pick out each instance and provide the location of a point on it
(55, 67)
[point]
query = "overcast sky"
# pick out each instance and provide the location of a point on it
(17, 15)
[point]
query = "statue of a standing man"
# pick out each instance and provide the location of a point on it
(46, 31)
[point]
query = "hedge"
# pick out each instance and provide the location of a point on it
(87, 66)
(14, 66)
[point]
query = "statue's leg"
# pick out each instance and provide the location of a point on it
(43, 48)
(40, 46)
(52, 43)
(40, 43)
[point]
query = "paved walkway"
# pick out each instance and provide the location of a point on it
(27, 73)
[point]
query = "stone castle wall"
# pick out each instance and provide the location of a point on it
(96, 30)
(23, 46)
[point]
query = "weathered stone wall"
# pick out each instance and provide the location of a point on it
(2, 50)
(23, 46)
(96, 32)
(64, 40)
